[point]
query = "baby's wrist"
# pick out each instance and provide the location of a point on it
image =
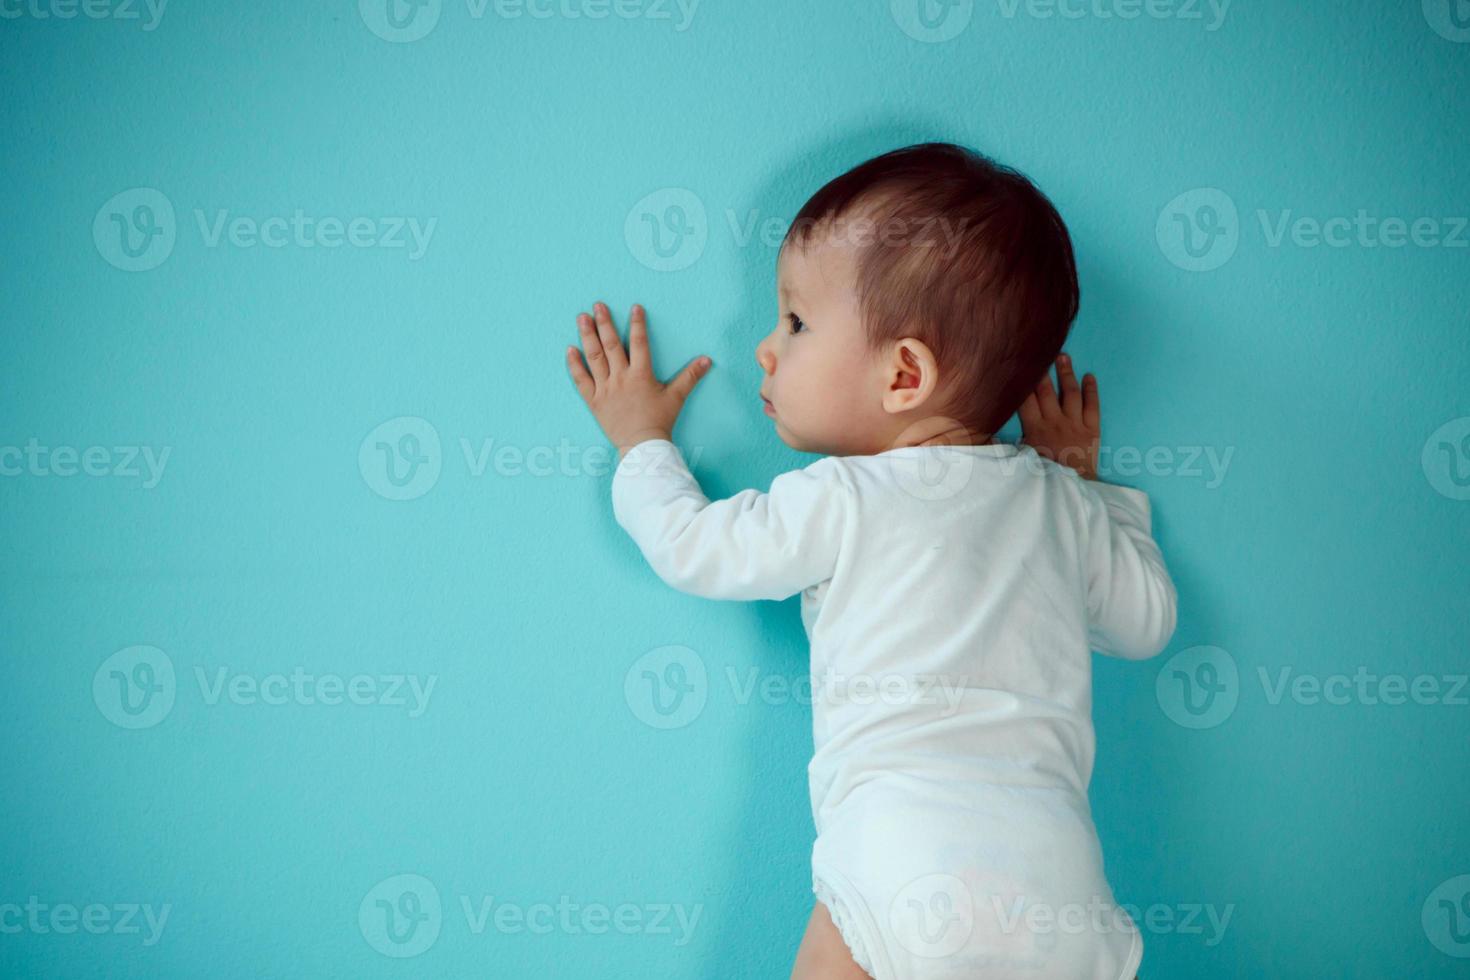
(627, 442)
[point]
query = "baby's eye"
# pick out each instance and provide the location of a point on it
(797, 324)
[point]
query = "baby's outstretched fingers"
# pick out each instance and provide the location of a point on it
(1091, 407)
(638, 355)
(683, 382)
(586, 386)
(1071, 391)
(592, 347)
(1030, 412)
(1046, 396)
(612, 345)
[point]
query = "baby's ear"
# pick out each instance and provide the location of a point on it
(910, 375)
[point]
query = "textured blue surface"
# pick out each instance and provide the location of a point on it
(1328, 381)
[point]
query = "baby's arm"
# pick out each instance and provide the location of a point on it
(1131, 603)
(1132, 606)
(750, 546)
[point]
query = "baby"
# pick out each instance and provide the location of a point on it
(952, 586)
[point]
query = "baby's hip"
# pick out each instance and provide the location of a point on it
(1006, 848)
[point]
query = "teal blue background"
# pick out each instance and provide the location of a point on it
(529, 777)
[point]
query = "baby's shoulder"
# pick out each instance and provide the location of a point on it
(951, 472)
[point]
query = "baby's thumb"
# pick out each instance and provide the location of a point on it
(686, 379)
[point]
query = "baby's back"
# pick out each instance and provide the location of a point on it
(953, 634)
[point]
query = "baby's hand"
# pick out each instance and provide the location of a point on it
(1068, 431)
(629, 403)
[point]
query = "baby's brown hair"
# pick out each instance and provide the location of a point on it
(967, 256)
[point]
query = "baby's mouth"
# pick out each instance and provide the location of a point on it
(770, 408)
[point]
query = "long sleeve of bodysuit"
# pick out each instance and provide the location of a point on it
(750, 546)
(1131, 601)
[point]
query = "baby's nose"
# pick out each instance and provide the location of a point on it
(764, 357)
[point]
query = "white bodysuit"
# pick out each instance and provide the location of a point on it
(952, 597)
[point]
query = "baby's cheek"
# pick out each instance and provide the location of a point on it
(844, 402)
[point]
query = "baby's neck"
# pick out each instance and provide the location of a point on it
(939, 432)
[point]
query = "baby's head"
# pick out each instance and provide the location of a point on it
(922, 295)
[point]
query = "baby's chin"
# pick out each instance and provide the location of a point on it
(785, 435)
(792, 440)
(815, 444)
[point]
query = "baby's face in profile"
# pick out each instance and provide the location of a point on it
(822, 386)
